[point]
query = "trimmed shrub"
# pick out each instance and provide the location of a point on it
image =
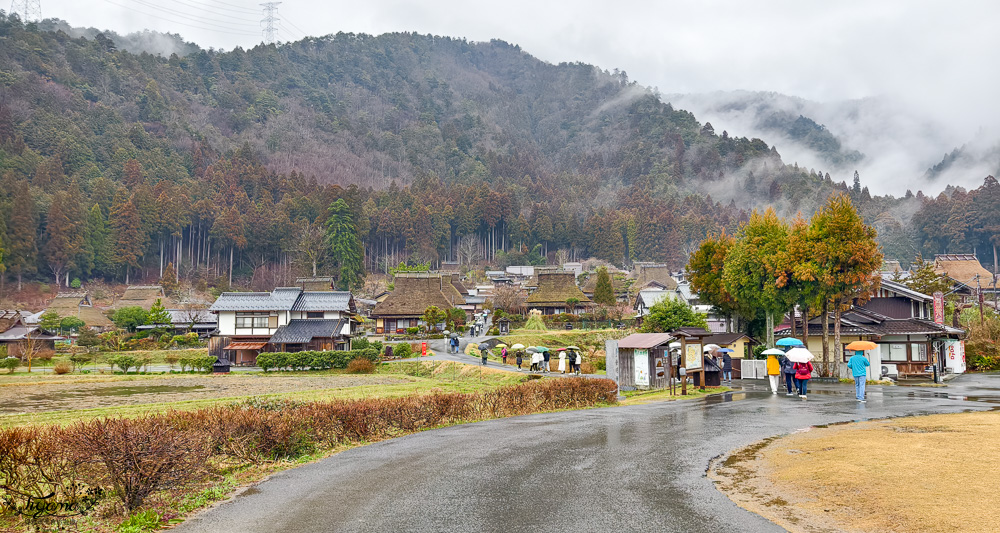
(80, 359)
(315, 360)
(412, 331)
(62, 368)
(402, 350)
(10, 363)
(124, 362)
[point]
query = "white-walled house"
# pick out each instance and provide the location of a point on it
(285, 319)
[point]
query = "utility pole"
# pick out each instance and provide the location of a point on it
(30, 10)
(269, 21)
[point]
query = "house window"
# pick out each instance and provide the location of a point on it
(896, 352)
(919, 352)
(251, 320)
(314, 314)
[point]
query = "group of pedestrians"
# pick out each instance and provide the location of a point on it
(541, 361)
(797, 375)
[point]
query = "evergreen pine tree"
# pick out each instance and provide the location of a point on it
(345, 247)
(604, 292)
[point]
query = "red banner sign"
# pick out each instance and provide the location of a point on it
(938, 308)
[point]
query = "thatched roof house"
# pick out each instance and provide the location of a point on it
(619, 286)
(647, 273)
(78, 305)
(554, 288)
(963, 268)
(143, 296)
(412, 294)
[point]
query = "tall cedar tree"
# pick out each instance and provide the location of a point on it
(98, 241)
(126, 224)
(169, 280)
(21, 250)
(344, 245)
(604, 292)
(60, 241)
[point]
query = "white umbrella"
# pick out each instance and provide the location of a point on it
(772, 351)
(799, 355)
(711, 347)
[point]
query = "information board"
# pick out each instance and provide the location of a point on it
(693, 357)
(641, 359)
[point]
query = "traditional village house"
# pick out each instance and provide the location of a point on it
(285, 319)
(968, 276)
(652, 275)
(555, 288)
(649, 297)
(19, 337)
(900, 321)
(619, 285)
(194, 320)
(78, 305)
(143, 296)
(412, 294)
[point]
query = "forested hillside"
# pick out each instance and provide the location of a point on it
(116, 164)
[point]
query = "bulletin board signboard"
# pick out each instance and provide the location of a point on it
(693, 357)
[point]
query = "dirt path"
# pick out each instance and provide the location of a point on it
(934, 473)
(49, 396)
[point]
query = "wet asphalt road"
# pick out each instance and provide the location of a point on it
(613, 469)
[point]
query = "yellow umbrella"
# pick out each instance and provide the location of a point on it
(861, 346)
(501, 345)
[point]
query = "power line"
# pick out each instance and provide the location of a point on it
(30, 10)
(247, 9)
(161, 17)
(206, 10)
(221, 24)
(304, 34)
(270, 10)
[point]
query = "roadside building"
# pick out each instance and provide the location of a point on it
(143, 296)
(900, 321)
(79, 305)
(19, 337)
(193, 320)
(650, 297)
(412, 294)
(555, 289)
(285, 319)
(644, 361)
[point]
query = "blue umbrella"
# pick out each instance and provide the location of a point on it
(789, 341)
(724, 350)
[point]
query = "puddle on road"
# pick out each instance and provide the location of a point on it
(66, 399)
(726, 397)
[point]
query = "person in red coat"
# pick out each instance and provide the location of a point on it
(803, 372)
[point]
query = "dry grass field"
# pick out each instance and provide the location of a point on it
(936, 473)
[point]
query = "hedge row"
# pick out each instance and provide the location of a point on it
(122, 461)
(313, 360)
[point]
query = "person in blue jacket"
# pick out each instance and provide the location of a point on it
(859, 364)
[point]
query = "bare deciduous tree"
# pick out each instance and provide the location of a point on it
(469, 250)
(508, 298)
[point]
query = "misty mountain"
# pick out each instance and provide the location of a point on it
(891, 144)
(150, 42)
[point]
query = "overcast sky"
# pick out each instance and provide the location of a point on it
(939, 57)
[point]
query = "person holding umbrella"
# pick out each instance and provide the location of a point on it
(579, 361)
(787, 366)
(518, 354)
(803, 368)
(562, 360)
(546, 356)
(859, 364)
(503, 352)
(727, 364)
(485, 352)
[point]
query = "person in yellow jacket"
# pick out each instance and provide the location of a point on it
(773, 372)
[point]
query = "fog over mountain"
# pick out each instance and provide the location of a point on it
(893, 145)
